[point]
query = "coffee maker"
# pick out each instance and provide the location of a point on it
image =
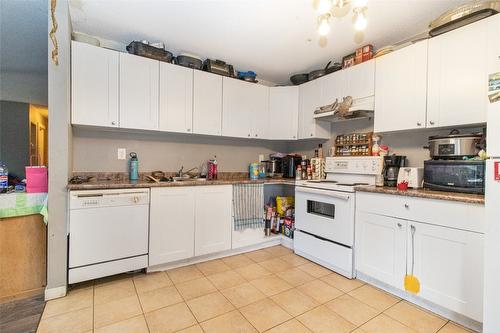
(392, 164)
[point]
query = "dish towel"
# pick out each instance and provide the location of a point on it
(248, 206)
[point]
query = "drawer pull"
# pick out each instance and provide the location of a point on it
(407, 206)
(399, 225)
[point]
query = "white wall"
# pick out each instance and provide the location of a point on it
(59, 155)
(95, 150)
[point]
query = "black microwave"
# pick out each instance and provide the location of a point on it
(455, 175)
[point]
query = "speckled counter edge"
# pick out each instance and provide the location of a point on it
(425, 193)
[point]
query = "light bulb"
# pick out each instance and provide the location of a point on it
(324, 27)
(324, 6)
(361, 22)
(359, 3)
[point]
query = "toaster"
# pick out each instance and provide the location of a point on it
(414, 176)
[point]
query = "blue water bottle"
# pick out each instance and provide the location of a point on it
(133, 167)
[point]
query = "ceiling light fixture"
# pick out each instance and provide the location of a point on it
(360, 21)
(325, 10)
(324, 26)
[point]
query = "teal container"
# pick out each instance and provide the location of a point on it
(133, 167)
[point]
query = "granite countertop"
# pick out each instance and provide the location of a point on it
(426, 193)
(117, 183)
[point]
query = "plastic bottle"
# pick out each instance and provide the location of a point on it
(4, 177)
(133, 167)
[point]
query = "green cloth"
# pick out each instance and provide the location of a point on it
(22, 204)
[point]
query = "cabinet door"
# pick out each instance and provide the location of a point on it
(139, 89)
(493, 64)
(309, 100)
(237, 108)
(176, 98)
(207, 104)
(359, 80)
(260, 110)
(171, 225)
(213, 219)
(380, 250)
(401, 89)
(94, 85)
(283, 113)
(332, 87)
(449, 264)
(456, 77)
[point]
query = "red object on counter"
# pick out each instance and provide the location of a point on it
(403, 186)
(497, 170)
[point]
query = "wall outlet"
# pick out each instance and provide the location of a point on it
(122, 153)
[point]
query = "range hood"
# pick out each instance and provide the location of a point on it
(362, 108)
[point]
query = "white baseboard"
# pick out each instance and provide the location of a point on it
(268, 242)
(287, 242)
(57, 292)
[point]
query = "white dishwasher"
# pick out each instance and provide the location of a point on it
(108, 232)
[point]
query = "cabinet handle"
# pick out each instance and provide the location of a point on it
(413, 230)
(294, 136)
(419, 124)
(189, 130)
(248, 134)
(113, 123)
(311, 134)
(431, 122)
(407, 206)
(256, 135)
(399, 225)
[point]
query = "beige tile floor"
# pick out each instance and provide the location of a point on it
(270, 290)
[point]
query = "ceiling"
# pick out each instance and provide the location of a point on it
(275, 38)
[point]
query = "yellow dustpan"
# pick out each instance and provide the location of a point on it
(412, 284)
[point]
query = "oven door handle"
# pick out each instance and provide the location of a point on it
(324, 192)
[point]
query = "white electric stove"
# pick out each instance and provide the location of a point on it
(324, 212)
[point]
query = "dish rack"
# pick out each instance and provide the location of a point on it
(354, 144)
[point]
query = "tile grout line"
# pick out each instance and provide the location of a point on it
(140, 304)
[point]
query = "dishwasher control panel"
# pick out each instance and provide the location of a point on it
(108, 198)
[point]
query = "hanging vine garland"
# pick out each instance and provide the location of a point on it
(52, 34)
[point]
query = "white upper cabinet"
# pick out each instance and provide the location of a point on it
(401, 89)
(207, 103)
(283, 113)
(139, 89)
(309, 100)
(176, 98)
(260, 110)
(359, 80)
(245, 108)
(332, 87)
(457, 76)
(94, 85)
(236, 108)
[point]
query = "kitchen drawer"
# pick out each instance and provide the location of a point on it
(453, 214)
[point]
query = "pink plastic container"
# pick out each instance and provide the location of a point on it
(36, 179)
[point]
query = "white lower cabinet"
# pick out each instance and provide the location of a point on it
(447, 261)
(171, 224)
(381, 247)
(189, 221)
(449, 266)
(213, 206)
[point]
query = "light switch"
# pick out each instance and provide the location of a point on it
(122, 153)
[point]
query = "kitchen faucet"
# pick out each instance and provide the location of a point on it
(181, 173)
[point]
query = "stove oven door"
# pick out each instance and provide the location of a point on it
(325, 213)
